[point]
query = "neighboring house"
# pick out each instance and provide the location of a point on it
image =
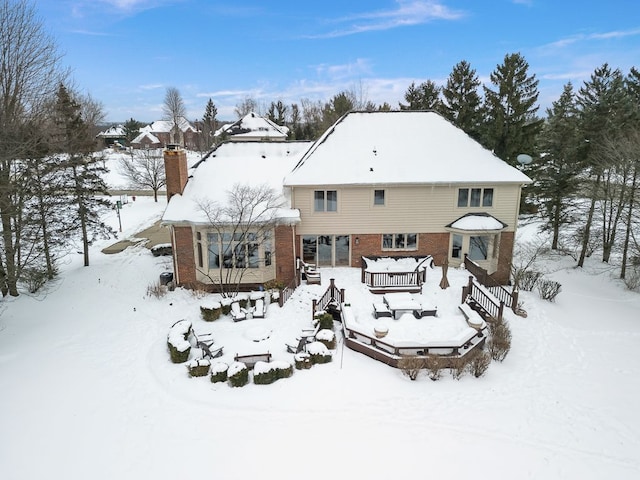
(168, 133)
(146, 140)
(404, 183)
(113, 135)
(252, 128)
(375, 184)
(197, 246)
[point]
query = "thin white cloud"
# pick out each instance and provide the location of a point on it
(151, 86)
(406, 13)
(565, 42)
(360, 67)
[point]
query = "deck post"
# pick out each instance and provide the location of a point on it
(313, 309)
(500, 310)
(514, 299)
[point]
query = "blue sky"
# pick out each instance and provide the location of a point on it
(125, 53)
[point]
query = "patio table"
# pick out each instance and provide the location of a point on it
(401, 302)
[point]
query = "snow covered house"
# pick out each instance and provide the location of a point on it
(146, 140)
(168, 133)
(375, 184)
(252, 128)
(113, 135)
(404, 183)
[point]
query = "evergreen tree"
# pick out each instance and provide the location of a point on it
(604, 110)
(277, 113)
(209, 125)
(425, 96)
(511, 125)
(131, 130)
(461, 101)
(559, 169)
(85, 185)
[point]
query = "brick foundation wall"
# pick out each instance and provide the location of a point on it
(283, 243)
(183, 256)
(435, 244)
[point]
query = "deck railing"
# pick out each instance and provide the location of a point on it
(510, 298)
(333, 295)
(393, 279)
(482, 299)
(287, 291)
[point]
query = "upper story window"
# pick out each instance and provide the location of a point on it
(325, 201)
(475, 197)
(378, 197)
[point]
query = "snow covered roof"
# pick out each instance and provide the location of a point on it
(477, 222)
(149, 135)
(231, 163)
(113, 132)
(164, 126)
(404, 147)
(253, 125)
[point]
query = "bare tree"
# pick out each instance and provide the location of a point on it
(29, 75)
(241, 235)
(247, 106)
(145, 169)
(175, 112)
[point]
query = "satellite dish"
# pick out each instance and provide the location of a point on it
(524, 159)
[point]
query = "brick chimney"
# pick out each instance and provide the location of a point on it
(175, 168)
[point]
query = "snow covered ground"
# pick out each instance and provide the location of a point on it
(88, 390)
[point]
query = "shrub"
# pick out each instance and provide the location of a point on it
(458, 366)
(219, 372)
(226, 305)
(549, 289)
(177, 341)
(199, 367)
(265, 373)
(326, 321)
(302, 361)
(238, 374)
(318, 353)
(411, 366)
(434, 365)
(156, 290)
(274, 285)
(499, 343)
(479, 362)
(529, 279)
(162, 249)
(212, 313)
(328, 338)
(34, 278)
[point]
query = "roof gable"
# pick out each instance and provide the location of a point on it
(253, 125)
(401, 147)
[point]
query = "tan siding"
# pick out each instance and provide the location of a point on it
(407, 209)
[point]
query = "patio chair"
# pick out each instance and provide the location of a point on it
(259, 308)
(238, 313)
(298, 347)
(210, 351)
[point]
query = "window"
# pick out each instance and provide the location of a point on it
(236, 250)
(478, 247)
(456, 246)
(378, 197)
(474, 197)
(399, 241)
(325, 201)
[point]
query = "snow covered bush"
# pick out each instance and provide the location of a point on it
(302, 361)
(549, 290)
(265, 373)
(529, 279)
(219, 372)
(318, 352)
(156, 290)
(238, 374)
(199, 367)
(226, 305)
(327, 337)
(458, 366)
(411, 366)
(211, 312)
(177, 341)
(162, 249)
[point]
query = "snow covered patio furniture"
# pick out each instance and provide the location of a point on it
(401, 302)
(311, 273)
(250, 360)
(237, 312)
(298, 346)
(395, 274)
(426, 310)
(380, 309)
(259, 308)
